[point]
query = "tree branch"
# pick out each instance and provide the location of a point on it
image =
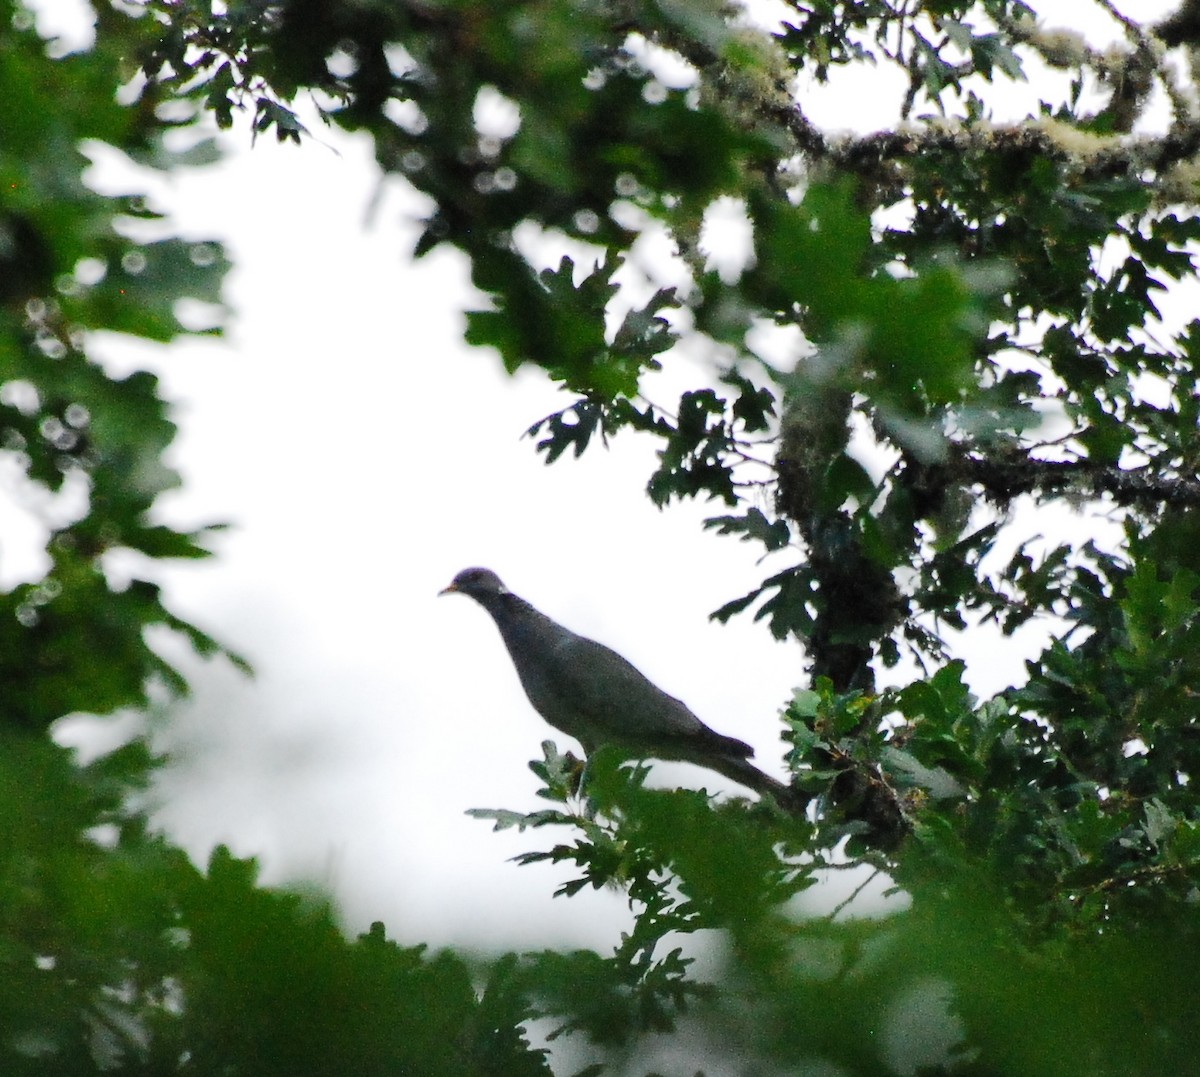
(1006, 479)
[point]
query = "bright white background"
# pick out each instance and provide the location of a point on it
(363, 455)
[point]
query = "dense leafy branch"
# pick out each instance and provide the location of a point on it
(1004, 481)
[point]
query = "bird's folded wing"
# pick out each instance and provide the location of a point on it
(613, 698)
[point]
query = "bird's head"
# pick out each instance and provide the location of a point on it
(477, 583)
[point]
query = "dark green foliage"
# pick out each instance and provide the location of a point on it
(71, 641)
(548, 314)
(270, 985)
(121, 957)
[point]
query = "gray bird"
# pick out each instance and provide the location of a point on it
(593, 694)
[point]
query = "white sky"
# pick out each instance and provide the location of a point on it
(364, 455)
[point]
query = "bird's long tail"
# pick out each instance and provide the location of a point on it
(746, 773)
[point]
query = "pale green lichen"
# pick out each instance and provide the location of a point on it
(1077, 144)
(760, 67)
(1058, 46)
(1061, 48)
(1180, 185)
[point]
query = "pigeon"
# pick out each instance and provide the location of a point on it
(591, 693)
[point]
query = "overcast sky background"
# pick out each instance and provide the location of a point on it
(363, 456)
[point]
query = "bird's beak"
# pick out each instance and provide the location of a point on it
(448, 590)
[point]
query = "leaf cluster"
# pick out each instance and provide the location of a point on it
(122, 957)
(75, 638)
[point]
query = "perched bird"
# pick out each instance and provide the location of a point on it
(591, 693)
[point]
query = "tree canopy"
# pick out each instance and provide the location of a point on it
(980, 318)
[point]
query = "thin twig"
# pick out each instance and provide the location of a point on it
(853, 895)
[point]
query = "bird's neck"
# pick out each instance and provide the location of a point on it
(517, 619)
(511, 608)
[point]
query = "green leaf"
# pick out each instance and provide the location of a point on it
(752, 526)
